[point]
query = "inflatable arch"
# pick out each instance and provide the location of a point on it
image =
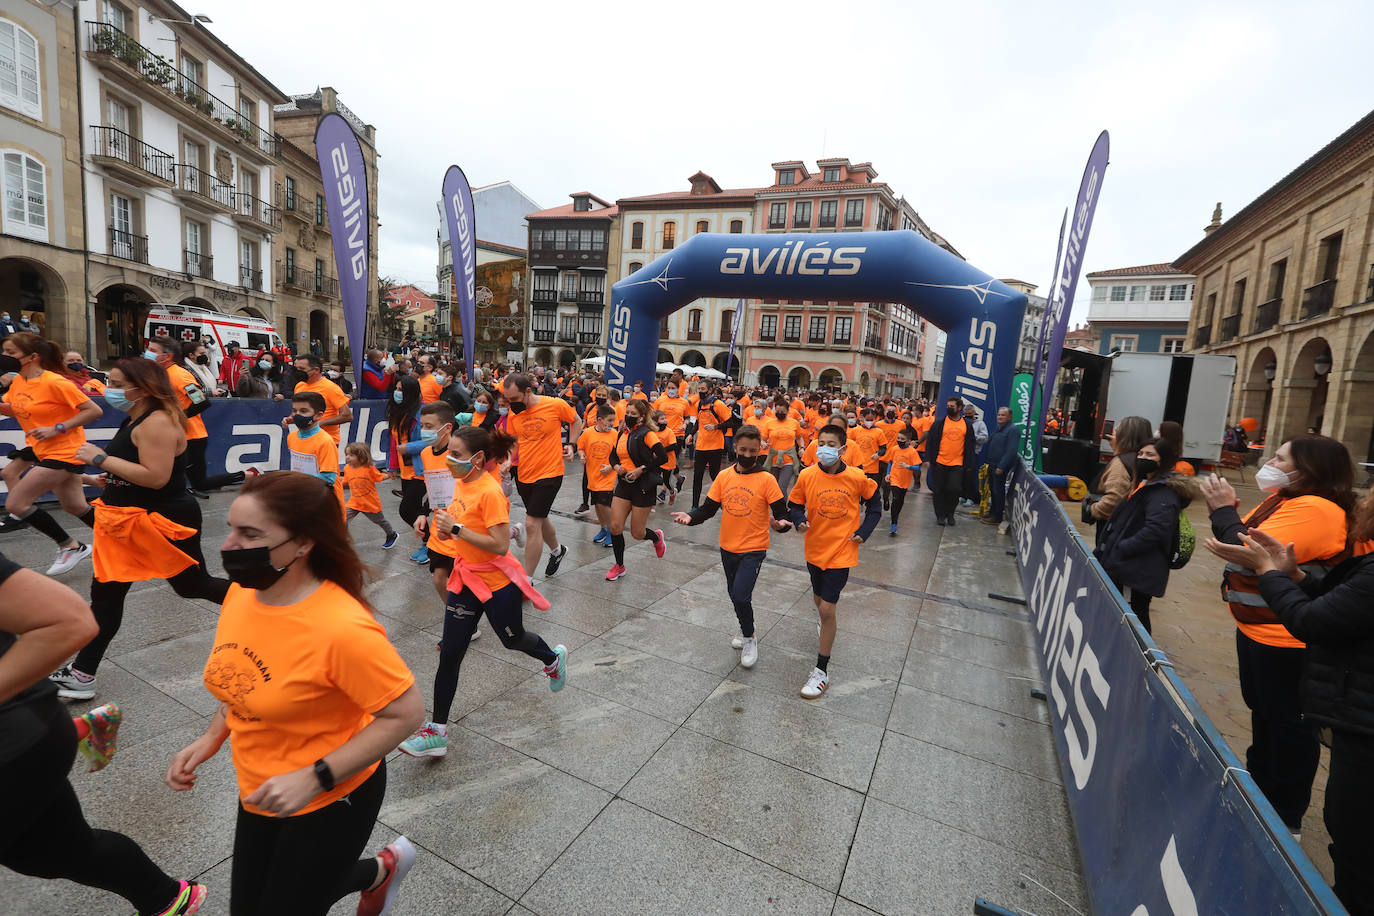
(981, 316)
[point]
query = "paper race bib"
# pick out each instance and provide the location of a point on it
(439, 487)
(305, 463)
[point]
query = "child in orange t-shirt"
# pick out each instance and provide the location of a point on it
(905, 463)
(308, 451)
(594, 447)
(361, 478)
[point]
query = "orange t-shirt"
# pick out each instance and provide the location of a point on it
(439, 487)
(362, 487)
(183, 384)
(334, 398)
(622, 448)
(901, 477)
(46, 400)
(675, 409)
(429, 389)
(834, 508)
(480, 506)
(868, 440)
(1317, 528)
(299, 682)
(951, 447)
(597, 447)
(316, 454)
(890, 428)
(922, 426)
(93, 385)
(782, 435)
(709, 440)
(539, 431)
(668, 438)
(744, 505)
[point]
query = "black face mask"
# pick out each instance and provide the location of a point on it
(302, 422)
(203, 359)
(517, 406)
(77, 367)
(9, 364)
(891, 415)
(1145, 467)
(631, 421)
(600, 401)
(746, 463)
(252, 567)
(952, 412)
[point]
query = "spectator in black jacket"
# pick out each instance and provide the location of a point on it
(1330, 612)
(1001, 461)
(1137, 543)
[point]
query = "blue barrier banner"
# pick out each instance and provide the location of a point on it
(1168, 822)
(243, 433)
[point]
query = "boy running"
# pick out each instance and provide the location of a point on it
(905, 460)
(748, 494)
(594, 447)
(826, 505)
(361, 478)
(310, 452)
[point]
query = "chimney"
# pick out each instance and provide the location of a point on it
(1215, 224)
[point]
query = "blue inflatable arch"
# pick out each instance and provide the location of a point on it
(981, 316)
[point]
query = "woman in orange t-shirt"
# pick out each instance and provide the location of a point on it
(51, 410)
(314, 696)
(638, 457)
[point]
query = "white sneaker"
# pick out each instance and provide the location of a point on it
(67, 557)
(517, 534)
(475, 635)
(815, 684)
(750, 653)
(71, 686)
(737, 642)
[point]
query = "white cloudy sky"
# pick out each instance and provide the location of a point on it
(981, 113)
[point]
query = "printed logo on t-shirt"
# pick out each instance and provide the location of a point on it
(531, 428)
(738, 501)
(834, 502)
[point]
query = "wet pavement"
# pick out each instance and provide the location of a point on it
(666, 778)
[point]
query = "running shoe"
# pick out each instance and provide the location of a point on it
(558, 671)
(582, 509)
(672, 497)
(660, 544)
(427, 742)
(251, 472)
(11, 523)
(99, 745)
(750, 653)
(601, 535)
(398, 857)
(554, 560)
(187, 901)
(892, 533)
(71, 685)
(737, 642)
(517, 534)
(815, 684)
(421, 556)
(391, 540)
(67, 557)
(615, 572)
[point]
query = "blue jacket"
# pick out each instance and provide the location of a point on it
(1002, 447)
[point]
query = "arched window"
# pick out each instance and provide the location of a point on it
(703, 226)
(26, 197)
(637, 234)
(737, 226)
(670, 234)
(632, 267)
(19, 70)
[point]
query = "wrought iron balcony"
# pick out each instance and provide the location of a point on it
(202, 189)
(544, 295)
(130, 156)
(1230, 328)
(589, 337)
(542, 336)
(1267, 315)
(250, 278)
(197, 264)
(296, 277)
(130, 247)
(257, 211)
(1202, 336)
(1317, 300)
(591, 297)
(567, 336)
(326, 286)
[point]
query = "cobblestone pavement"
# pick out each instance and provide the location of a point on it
(665, 778)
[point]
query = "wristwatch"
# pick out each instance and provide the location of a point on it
(99, 459)
(455, 530)
(324, 774)
(60, 427)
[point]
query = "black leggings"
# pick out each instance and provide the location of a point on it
(586, 493)
(462, 611)
(1349, 807)
(107, 598)
(741, 573)
(44, 834)
(196, 467)
(412, 498)
(302, 865)
(898, 499)
(1284, 753)
(706, 458)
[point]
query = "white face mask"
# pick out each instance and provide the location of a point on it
(1270, 479)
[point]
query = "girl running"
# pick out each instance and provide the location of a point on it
(361, 478)
(403, 422)
(147, 526)
(638, 457)
(672, 480)
(314, 696)
(51, 410)
(486, 579)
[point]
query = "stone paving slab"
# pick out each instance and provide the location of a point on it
(665, 778)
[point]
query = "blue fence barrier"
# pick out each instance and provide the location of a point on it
(1169, 823)
(243, 433)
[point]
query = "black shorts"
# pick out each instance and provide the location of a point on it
(599, 497)
(827, 583)
(443, 561)
(539, 495)
(641, 492)
(26, 454)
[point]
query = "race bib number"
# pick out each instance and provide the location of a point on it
(305, 463)
(439, 487)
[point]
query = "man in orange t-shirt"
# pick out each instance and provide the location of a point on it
(430, 389)
(336, 410)
(748, 494)
(537, 422)
(836, 506)
(949, 448)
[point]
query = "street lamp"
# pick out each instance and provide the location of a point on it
(1322, 364)
(1272, 369)
(196, 17)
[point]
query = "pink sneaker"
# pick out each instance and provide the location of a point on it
(615, 572)
(398, 857)
(660, 544)
(188, 900)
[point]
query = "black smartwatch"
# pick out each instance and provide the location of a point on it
(455, 530)
(324, 774)
(98, 460)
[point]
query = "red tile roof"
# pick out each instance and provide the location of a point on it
(814, 183)
(1143, 270)
(567, 212)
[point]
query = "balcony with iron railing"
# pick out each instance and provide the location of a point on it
(119, 53)
(591, 297)
(544, 295)
(250, 278)
(198, 188)
(130, 158)
(1230, 328)
(257, 211)
(589, 338)
(127, 246)
(566, 336)
(296, 277)
(1317, 300)
(542, 335)
(1202, 336)
(197, 264)
(1267, 314)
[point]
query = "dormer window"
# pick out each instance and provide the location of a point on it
(831, 175)
(787, 176)
(582, 204)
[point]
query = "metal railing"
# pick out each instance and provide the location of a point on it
(197, 264)
(130, 247)
(1317, 300)
(591, 297)
(1202, 336)
(197, 181)
(542, 336)
(1230, 328)
(103, 38)
(250, 278)
(589, 337)
(296, 277)
(258, 210)
(1267, 314)
(113, 143)
(327, 286)
(544, 295)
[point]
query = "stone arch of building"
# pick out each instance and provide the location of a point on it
(1305, 391)
(769, 375)
(799, 376)
(830, 377)
(543, 357)
(1257, 391)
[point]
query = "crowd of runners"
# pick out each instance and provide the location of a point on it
(309, 750)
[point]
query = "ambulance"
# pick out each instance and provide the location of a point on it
(189, 322)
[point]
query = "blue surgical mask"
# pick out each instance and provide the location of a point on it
(502, 411)
(115, 398)
(827, 454)
(397, 396)
(429, 436)
(480, 407)
(149, 354)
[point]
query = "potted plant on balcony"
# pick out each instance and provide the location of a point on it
(158, 69)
